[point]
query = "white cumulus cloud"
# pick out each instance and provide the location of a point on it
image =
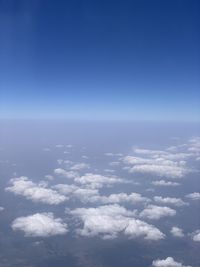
(35, 192)
(194, 196)
(159, 170)
(66, 174)
(156, 212)
(97, 180)
(176, 231)
(79, 166)
(40, 224)
(196, 235)
(168, 262)
(158, 162)
(133, 198)
(111, 220)
(170, 200)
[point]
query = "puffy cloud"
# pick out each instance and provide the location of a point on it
(156, 212)
(150, 152)
(167, 163)
(164, 183)
(176, 231)
(68, 162)
(196, 236)
(194, 196)
(97, 180)
(109, 154)
(40, 224)
(166, 154)
(73, 191)
(65, 189)
(113, 154)
(136, 160)
(111, 220)
(194, 145)
(80, 166)
(64, 173)
(1, 209)
(170, 200)
(88, 194)
(133, 198)
(69, 146)
(36, 192)
(168, 262)
(159, 170)
(85, 194)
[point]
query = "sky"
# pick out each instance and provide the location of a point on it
(99, 60)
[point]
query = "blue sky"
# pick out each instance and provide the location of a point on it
(135, 60)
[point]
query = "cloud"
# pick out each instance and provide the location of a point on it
(1, 209)
(136, 160)
(159, 170)
(156, 212)
(196, 235)
(84, 157)
(164, 163)
(150, 152)
(40, 224)
(35, 192)
(66, 174)
(60, 161)
(113, 154)
(168, 262)
(59, 146)
(170, 200)
(46, 149)
(49, 177)
(65, 189)
(85, 194)
(114, 163)
(133, 198)
(97, 180)
(69, 146)
(110, 221)
(90, 194)
(73, 191)
(194, 145)
(165, 155)
(80, 166)
(109, 154)
(176, 231)
(194, 196)
(164, 183)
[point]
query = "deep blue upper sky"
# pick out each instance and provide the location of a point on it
(100, 59)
